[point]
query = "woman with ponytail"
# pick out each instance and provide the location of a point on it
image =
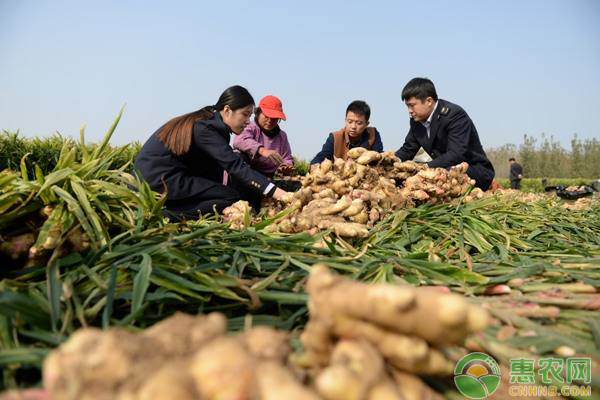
(187, 156)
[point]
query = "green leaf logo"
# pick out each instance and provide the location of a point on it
(477, 375)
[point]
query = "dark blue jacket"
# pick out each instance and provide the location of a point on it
(452, 140)
(327, 150)
(201, 167)
(515, 170)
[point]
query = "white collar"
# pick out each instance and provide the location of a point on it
(431, 115)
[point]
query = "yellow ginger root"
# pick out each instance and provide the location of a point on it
(368, 157)
(223, 369)
(361, 357)
(356, 207)
(338, 207)
(305, 195)
(413, 388)
(314, 207)
(266, 343)
(355, 367)
(386, 389)
(318, 344)
(358, 176)
(374, 215)
(326, 166)
(461, 168)
(414, 182)
(337, 382)
(389, 157)
(439, 318)
(94, 364)
(288, 197)
(238, 214)
(338, 165)
(350, 168)
(419, 195)
(171, 381)
(408, 166)
(345, 229)
(325, 193)
(340, 187)
(356, 152)
(430, 173)
(183, 334)
(411, 354)
(360, 218)
(276, 382)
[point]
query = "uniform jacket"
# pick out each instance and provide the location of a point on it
(201, 167)
(452, 140)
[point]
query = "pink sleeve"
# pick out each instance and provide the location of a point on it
(286, 150)
(246, 143)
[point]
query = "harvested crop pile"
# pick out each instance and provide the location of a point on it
(238, 215)
(371, 341)
(370, 347)
(585, 203)
(350, 196)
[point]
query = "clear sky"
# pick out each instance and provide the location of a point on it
(517, 67)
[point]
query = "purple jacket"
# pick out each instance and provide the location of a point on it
(252, 138)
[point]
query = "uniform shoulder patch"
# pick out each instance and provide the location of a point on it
(445, 110)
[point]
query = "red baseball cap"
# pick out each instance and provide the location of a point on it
(271, 107)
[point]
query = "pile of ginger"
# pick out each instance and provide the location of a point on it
(350, 196)
(362, 342)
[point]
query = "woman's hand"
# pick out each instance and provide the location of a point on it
(272, 155)
(285, 169)
(282, 195)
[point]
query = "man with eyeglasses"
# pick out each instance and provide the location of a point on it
(445, 132)
(356, 133)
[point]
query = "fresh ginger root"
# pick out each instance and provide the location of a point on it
(438, 318)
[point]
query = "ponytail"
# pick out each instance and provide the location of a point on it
(177, 134)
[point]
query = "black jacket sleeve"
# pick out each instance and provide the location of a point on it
(459, 132)
(378, 145)
(326, 151)
(409, 149)
(217, 147)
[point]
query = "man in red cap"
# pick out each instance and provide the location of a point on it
(263, 141)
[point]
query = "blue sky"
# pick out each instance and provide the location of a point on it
(517, 67)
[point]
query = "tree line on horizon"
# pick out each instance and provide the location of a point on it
(545, 157)
(542, 157)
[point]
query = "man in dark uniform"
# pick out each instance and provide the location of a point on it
(445, 131)
(516, 174)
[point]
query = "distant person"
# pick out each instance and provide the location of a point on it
(445, 131)
(264, 143)
(187, 157)
(355, 133)
(516, 174)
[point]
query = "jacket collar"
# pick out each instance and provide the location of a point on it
(216, 123)
(219, 124)
(359, 139)
(435, 120)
